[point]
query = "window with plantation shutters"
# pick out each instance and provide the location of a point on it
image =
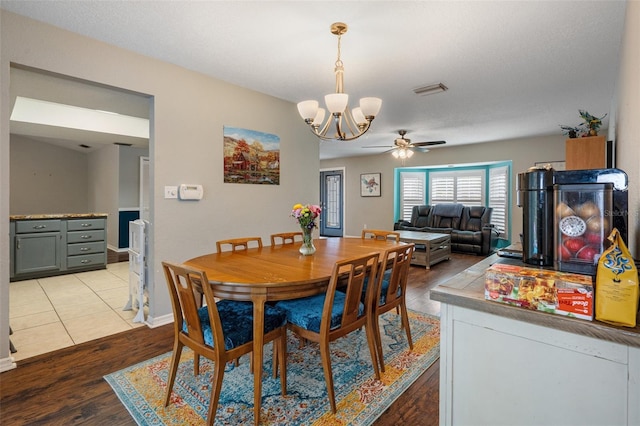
(466, 187)
(498, 198)
(412, 190)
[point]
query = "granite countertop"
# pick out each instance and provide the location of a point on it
(56, 216)
(467, 290)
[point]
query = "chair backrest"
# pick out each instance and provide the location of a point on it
(474, 218)
(238, 243)
(396, 260)
(380, 234)
(420, 216)
(285, 238)
(446, 215)
(185, 291)
(349, 275)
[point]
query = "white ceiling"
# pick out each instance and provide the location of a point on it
(514, 68)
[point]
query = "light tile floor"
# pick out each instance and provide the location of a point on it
(55, 312)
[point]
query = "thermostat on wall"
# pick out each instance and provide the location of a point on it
(190, 192)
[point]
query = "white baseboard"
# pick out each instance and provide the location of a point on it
(7, 364)
(159, 321)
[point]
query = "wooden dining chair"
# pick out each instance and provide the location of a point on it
(238, 243)
(221, 331)
(326, 317)
(390, 292)
(380, 234)
(285, 238)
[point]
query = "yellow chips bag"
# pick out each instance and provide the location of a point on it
(617, 284)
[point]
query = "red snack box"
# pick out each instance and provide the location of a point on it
(539, 289)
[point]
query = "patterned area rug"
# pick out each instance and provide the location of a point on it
(359, 396)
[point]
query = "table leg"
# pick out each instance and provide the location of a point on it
(258, 346)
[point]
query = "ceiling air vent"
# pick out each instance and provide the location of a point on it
(122, 144)
(84, 146)
(431, 89)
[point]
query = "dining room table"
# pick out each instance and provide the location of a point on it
(277, 272)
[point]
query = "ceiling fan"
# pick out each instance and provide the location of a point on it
(404, 148)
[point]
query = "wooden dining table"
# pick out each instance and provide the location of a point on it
(278, 272)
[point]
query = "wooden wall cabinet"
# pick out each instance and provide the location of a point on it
(593, 152)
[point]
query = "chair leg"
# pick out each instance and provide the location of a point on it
(405, 323)
(376, 331)
(216, 383)
(282, 359)
(196, 363)
(371, 340)
(173, 369)
(325, 354)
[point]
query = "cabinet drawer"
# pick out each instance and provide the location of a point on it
(30, 226)
(85, 248)
(84, 224)
(82, 236)
(86, 260)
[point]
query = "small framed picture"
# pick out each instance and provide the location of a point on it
(370, 185)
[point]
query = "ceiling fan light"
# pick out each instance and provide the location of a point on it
(358, 116)
(370, 106)
(336, 102)
(395, 153)
(409, 153)
(308, 109)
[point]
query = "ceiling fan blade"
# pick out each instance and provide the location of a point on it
(430, 143)
(419, 148)
(379, 146)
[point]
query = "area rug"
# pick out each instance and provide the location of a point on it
(360, 397)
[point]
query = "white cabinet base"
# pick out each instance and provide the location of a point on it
(499, 371)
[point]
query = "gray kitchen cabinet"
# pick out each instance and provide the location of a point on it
(47, 247)
(38, 247)
(86, 243)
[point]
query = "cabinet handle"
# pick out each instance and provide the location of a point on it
(85, 237)
(39, 226)
(18, 244)
(86, 225)
(84, 249)
(85, 261)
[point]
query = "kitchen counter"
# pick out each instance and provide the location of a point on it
(467, 290)
(56, 216)
(504, 365)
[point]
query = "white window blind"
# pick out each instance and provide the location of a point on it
(412, 190)
(498, 179)
(466, 187)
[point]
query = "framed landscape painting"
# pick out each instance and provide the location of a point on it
(370, 185)
(251, 157)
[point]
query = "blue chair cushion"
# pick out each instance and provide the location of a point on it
(237, 322)
(307, 312)
(386, 277)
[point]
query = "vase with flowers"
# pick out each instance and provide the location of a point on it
(306, 216)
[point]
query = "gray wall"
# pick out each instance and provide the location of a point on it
(103, 187)
(377, 212)
(46, 178)
(129, 181)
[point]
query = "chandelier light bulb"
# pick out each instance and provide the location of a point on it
(308, 109)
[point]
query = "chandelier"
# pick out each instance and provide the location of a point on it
(356, 121)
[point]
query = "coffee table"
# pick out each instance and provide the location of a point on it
(437, 247)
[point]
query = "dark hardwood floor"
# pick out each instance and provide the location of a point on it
(66, 387)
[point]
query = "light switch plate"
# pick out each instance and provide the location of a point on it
(170, 192)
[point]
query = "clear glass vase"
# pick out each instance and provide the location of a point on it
(307, 248)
